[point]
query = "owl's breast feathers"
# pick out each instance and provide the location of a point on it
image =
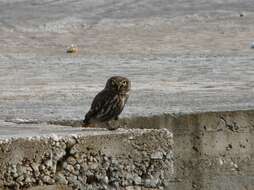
(106, 105)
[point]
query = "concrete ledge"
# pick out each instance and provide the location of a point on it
(122, 159)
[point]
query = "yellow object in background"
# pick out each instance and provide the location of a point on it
(72, 49)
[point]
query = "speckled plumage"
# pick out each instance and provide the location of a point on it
(109, 103)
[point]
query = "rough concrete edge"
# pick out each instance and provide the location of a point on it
(133, 147)
(123, 122)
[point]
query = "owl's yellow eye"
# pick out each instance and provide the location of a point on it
(124, 83)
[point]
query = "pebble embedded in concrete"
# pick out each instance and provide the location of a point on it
(48, 180)
(157, 155)
(60, 178)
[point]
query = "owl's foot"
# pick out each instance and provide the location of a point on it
(112, 125)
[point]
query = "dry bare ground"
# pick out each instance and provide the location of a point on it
(182, 56)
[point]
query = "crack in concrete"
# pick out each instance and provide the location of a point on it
(233, 127)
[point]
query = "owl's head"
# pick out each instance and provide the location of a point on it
(118, 84)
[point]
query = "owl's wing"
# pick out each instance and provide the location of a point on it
(97, 105)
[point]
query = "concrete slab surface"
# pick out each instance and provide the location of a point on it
(11, 131)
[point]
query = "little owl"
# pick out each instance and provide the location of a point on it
(109, 103)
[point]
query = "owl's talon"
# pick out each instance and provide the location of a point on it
(113, 128)
(111, 125)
